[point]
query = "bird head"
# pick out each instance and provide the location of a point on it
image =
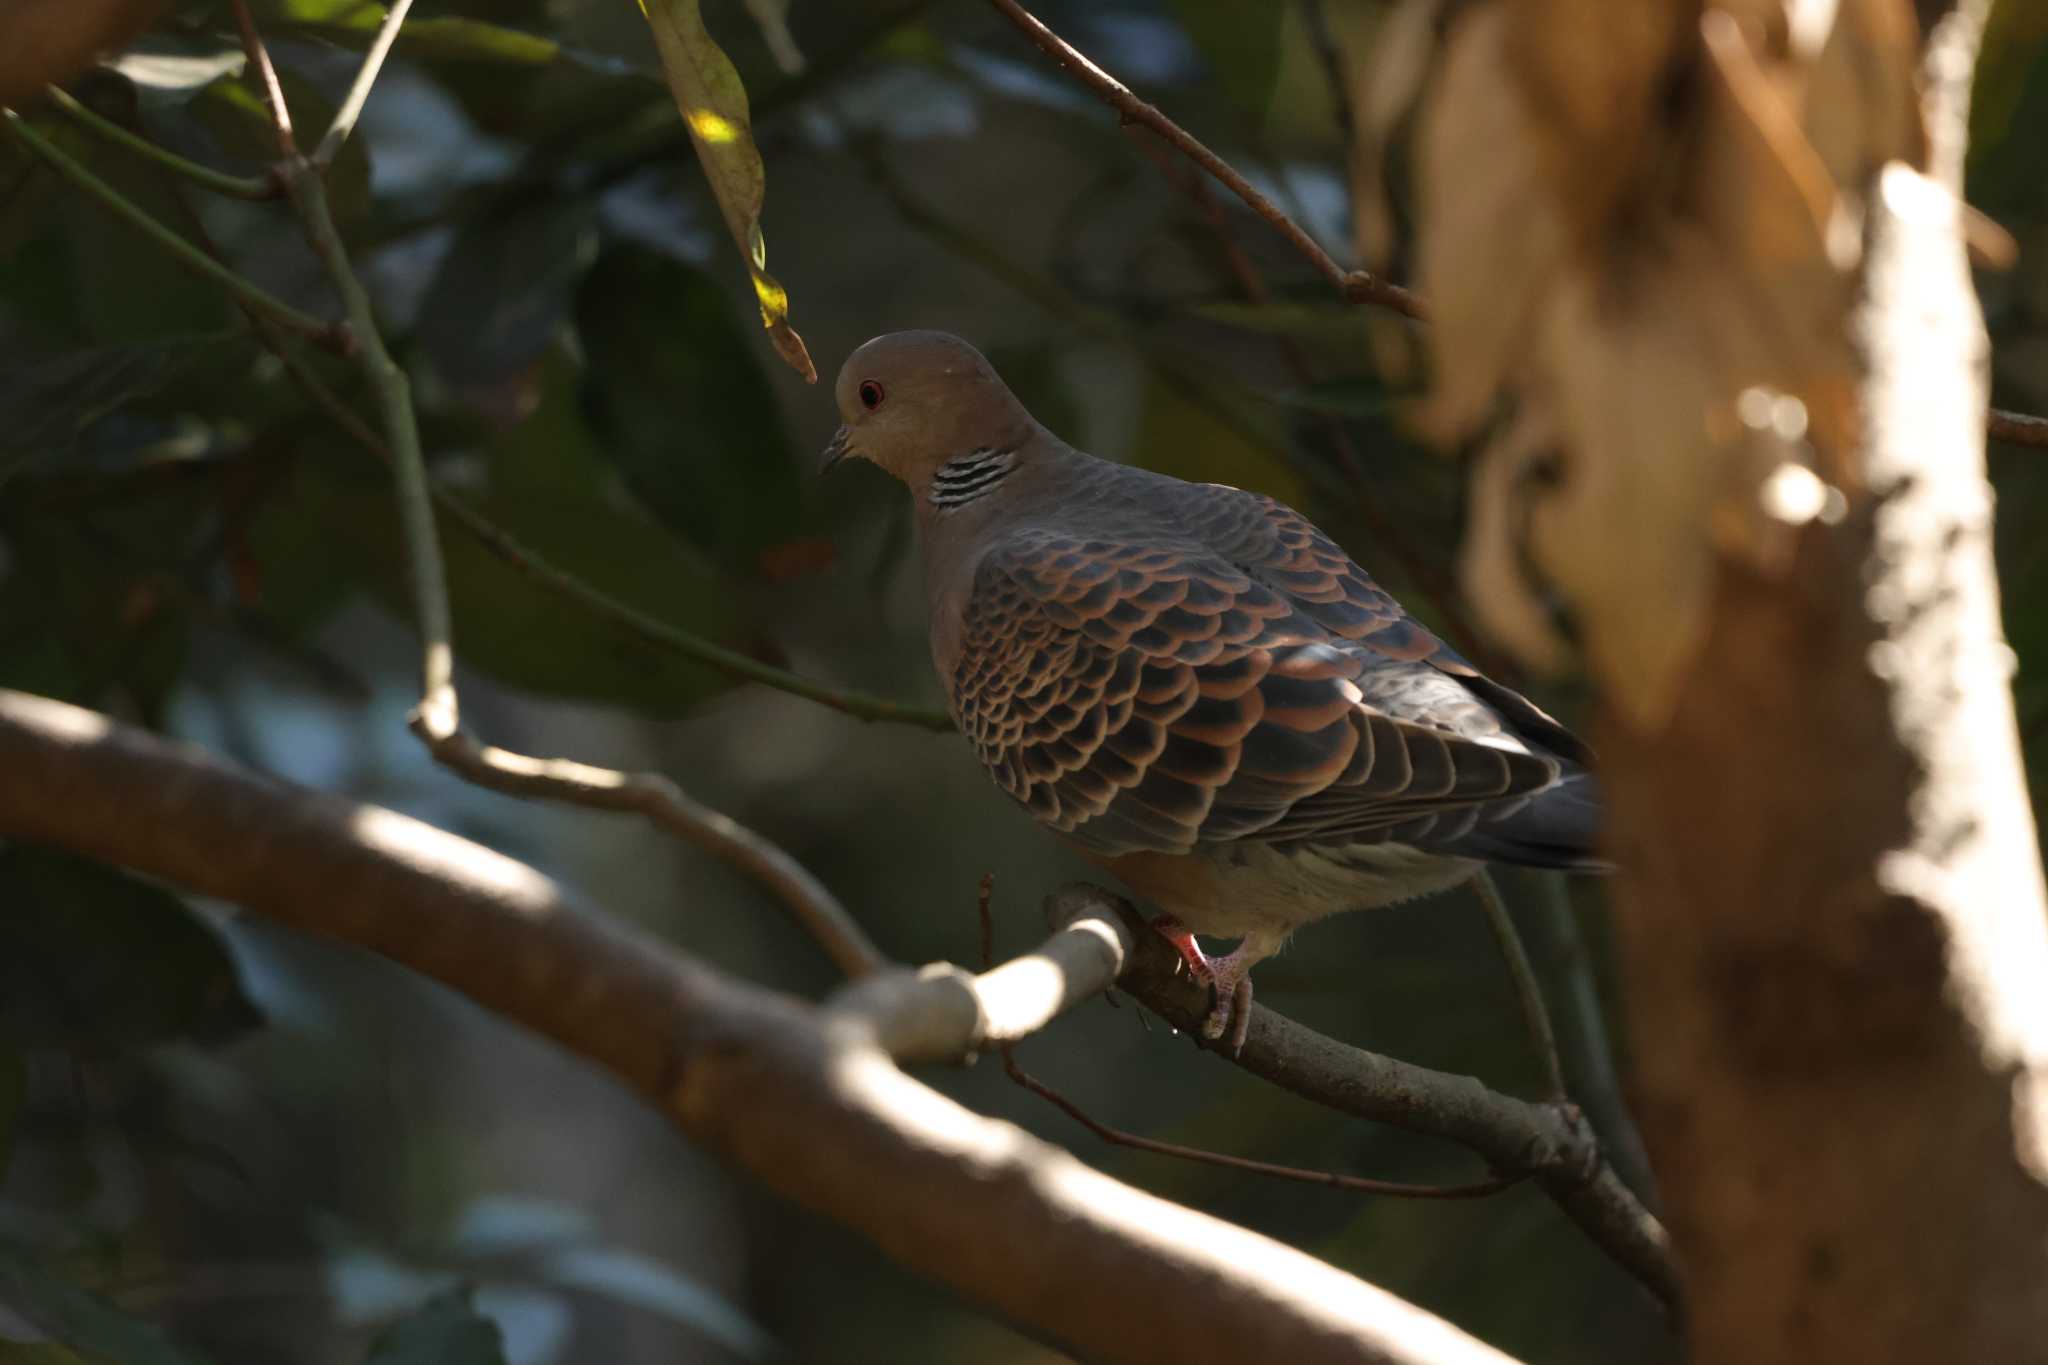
(911, 401)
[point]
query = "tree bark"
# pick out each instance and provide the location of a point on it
(1747, 347)
(804, 1099)
(1833, 919)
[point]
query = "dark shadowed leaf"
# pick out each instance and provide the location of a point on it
(79, 1318)
(677, 401)
(447, 1330)
(1241, 43)
(94, 598)
(504, 288)
(334, 529)
(238, 120)
(354, 24)
(91, 955)
(2008, 166)
(1188, 440)
(44, 405)
(110, 282)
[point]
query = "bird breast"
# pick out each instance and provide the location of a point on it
(1242, 887)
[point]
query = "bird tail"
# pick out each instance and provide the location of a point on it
(1559, 827)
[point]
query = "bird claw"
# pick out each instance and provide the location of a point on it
(1230, 1015)
(1230, 986)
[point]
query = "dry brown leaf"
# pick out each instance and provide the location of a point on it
(713, 104)
(1662, 288)
(47, 42)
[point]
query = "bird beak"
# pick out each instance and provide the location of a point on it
(835, 450)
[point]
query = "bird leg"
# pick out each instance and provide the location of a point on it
(1228, 978)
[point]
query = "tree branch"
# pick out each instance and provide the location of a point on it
(1514, 1136)
(2017, 428)
(437, 720)
(180, 250)
(1356, 285)
(220, 182)
(359, 90)
(803, 1099)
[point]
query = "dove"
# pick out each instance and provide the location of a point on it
(1192, 685)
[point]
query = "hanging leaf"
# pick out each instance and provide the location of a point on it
(714, 108)
(504, 288)
(679, 404)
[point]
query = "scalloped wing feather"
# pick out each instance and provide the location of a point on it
(1159, 697)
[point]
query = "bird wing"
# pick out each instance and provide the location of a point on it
(1150, 697)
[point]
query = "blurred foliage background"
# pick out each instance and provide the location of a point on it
(278, 1150)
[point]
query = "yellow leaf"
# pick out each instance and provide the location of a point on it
(713, 104)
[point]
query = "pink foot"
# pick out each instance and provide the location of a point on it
(1228, 978)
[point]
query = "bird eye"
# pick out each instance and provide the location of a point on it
(870, 394)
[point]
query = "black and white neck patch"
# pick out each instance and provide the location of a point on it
(964, 478)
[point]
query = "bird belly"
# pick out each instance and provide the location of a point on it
(1229, 890)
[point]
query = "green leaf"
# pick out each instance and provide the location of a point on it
(168, 71)
(1358, 397)
(92, 598)
(44, 405)
(2008, 157)
(504, 288)
(447, 1330)
(92, 955)
(1337, 325)
(713, 104)
(1181, 437)
(336, 522)
(113, 285)
(354, 24)
(1242, 44)
(677, 402)
(238, 119)
(81, 1319)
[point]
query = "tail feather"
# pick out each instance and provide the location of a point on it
(1558, 828)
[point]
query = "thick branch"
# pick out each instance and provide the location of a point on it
(1514, 1136)
(802, 1099)
(2018, 428)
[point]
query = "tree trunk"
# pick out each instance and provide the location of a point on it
(1749, 364)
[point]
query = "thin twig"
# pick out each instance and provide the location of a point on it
(220, 182)
(2018, 428)
(359, 90)
(778, 1088)
(1583, 1032)
(1551, 1141)
(817, 910)
(180, 250)
(1421, 569)
(1356, 285)
(1317, 22)
(1355, 1184)
(1118, 1137)
(534, 566)
(437, 720)
(438, 709)
(259, 57)
(1528, 991)
(1199, 390)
